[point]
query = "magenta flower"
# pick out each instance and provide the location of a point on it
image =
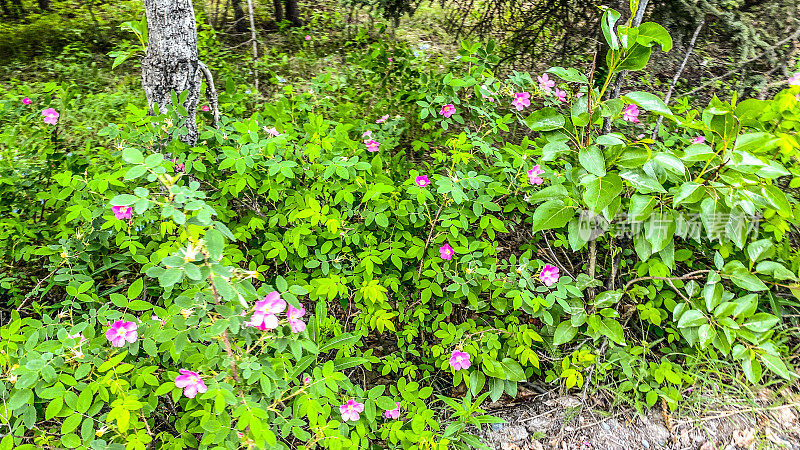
(486, 97)
(190, 382)
(367, 134)
(545, 83)
(120, 332)
(631, 113)
(446, 252)
(561, 95)
(459, 360)
(206, 108)
(549, 275)
(372, 146)
(351, 410)
(794, 80)
(699, 140)
(122, 212)
(391, 59)
(521, 100)
(26, 101)
(306, 380)
(294, 315)
(533, 175)
(272, 131)
(308, 37)
(383, 118)
(422, 181)
(448, 110)
(264, 317)
(393, 413)
(50, 116)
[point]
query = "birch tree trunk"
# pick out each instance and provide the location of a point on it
(171, 62)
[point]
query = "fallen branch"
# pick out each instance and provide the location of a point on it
(211, 93)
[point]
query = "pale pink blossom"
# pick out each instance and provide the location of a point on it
(393, 413)
(351, 410)
(521, 100)
(190, 382)
(549, 275)
(459, 360)
(372, 145)
(794, 80)
(446, 252)
(448, 110)
(81, 339)
(699, 140)
(561, 95)
(308, 37)
(272, 131)
(160, 320)
(122, 212)
(294, 316)
(120, 332)
(50, 116)
(545, 83)
(264, 317)
(367, 134)
(631, 113)
(383, 118)
(533, 175)
(422, 181)
(306, 380)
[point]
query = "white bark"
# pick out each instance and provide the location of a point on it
(171, 62)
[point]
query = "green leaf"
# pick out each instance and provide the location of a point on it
(611, 328)
(135, 288)
(689, 192)
(170, 276)
(71, 423)
(736, 272)
(761, 322)
(132, 155)
(652, 33)
(636, 58)
(545, 119)
(591, 158)
(215, 244)
(601, 191)
(124, 200)
(650, 102)
(564, 333)
(643, 183)
(775, 364)
(610, 18)
(570, 74)
(53, 408)
(339, 341)
(691, 318)
(552, 214)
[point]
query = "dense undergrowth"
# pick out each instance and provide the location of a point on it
(362, 258)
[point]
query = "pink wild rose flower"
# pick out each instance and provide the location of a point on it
(272, 131)
(533, 175)
(545, 83)
(561, 95)
(294, 315)
(459, 360)
(308, 37)
(26, 101)
(81, 339)
(206, 108)
(446, 252)
(264, 317)
(521, 100)
(367, 134)
(383, 118)
(351, 410)
(422, 181)
(631, 114)
(120, 332)
(794, 80)
(448, 110)
(549, 275)
(393, 413)
(122, 212)
(699, 140)
(50, 116)
(190, 382)
(372, 145)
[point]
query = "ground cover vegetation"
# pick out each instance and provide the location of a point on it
(370, 237)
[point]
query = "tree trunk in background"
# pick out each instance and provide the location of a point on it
(171, 62)
(292, 14)
(240, 23)
(44, 5)
(278, 10)
(20, 10)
